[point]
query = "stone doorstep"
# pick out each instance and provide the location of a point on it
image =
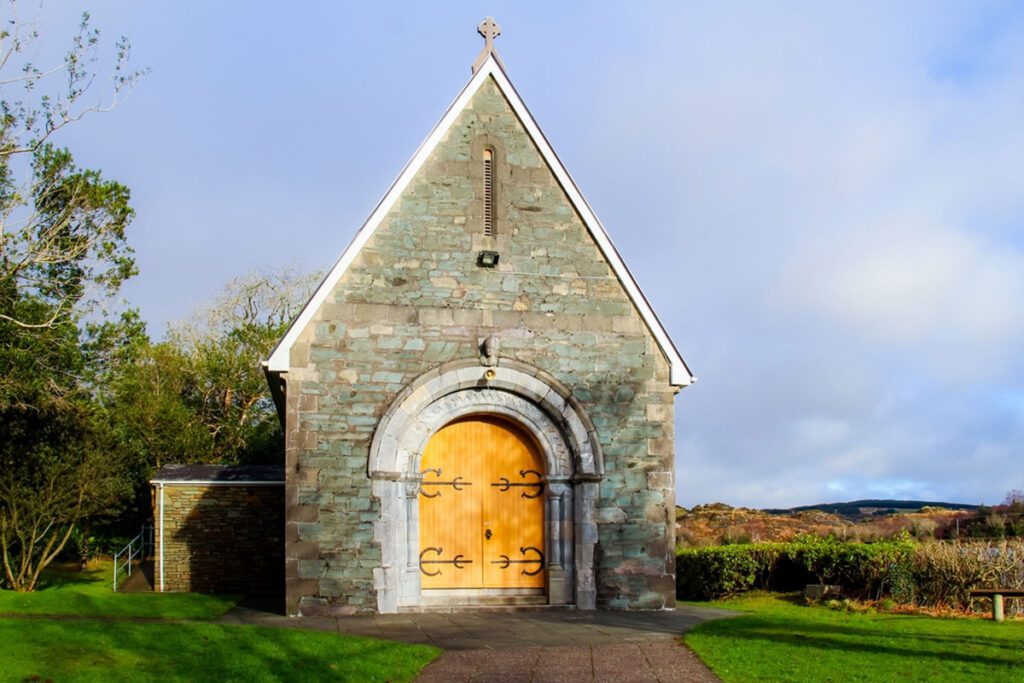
(483, 598)
(485, 608)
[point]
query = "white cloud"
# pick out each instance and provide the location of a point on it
(849, 197)
(906, 283)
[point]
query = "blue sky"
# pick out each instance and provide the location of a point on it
(823, 201)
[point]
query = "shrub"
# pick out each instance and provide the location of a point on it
(713, 572)
(901, 583)
(861, 568)
(944, 573)
(716, 571)
(934, 574)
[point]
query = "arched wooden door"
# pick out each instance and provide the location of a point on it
(481, 506)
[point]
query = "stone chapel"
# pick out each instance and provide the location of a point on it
(478, 400)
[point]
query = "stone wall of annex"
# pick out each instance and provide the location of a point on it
(222, 539)
(415, 298)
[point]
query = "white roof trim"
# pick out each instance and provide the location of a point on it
(680, 374)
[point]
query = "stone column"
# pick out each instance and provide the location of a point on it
(559, 579)
(410, 588)
(586, 538)
(387, 577)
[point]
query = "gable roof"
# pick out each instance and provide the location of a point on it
(679, 374)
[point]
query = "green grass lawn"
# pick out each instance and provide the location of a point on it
(196, 651)
(88, 593)
(108, 643)
(782, 640)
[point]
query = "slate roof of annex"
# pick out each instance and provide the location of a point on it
(218, 474)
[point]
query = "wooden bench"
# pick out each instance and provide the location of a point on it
(997, 595)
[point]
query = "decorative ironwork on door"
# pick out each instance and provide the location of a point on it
(457, 483)
(504, 484)
(485, 536)
(458, 562)
(507, 562)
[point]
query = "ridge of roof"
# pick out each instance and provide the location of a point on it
(679, 372)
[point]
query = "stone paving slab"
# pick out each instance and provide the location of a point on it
(663, 661)
(532, 646)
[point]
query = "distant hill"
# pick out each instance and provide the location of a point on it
(865, 520)
(859, 509)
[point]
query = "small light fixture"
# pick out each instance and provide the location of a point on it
(487, 259)
(490, 374)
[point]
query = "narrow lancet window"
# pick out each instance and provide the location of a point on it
(488, 192)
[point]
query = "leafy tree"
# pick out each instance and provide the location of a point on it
(63, 257)
(57, 468)
(225, 343)
(201, 396)
(59, 461)
(48, 274)
(148, 410)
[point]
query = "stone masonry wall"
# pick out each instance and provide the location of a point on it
(415, 298)
(223, 539)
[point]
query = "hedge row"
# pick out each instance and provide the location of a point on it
(717, 571)
(926, 574)
(944, 573)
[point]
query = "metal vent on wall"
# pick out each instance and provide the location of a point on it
(488, 192)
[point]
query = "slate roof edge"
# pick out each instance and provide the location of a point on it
(219, 475)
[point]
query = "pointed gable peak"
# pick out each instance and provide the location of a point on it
(487, 66)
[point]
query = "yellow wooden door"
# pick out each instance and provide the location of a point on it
(481, 508)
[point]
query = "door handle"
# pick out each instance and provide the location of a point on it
(488, 534)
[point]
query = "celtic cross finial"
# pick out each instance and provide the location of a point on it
(490, 30)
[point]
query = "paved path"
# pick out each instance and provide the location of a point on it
(656, 661)
(532, 646)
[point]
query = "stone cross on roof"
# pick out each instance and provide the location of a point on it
(490, 30)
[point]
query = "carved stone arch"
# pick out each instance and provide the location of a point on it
(535, 402)
(516, 378)
(558, 461)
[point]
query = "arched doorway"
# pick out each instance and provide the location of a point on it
(545, 415)
(481, 508)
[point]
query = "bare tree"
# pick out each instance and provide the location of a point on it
(1014, 497)
(267, 297)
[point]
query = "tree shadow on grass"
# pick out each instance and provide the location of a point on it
(816, 636)
(891, 626)
(68, 574)
(289, 655)
(221, 652)
(797, 599)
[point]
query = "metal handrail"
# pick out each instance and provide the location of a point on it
(136, 548)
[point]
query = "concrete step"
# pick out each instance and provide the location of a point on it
(485, 603)
(141, 580)
(496, 600)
